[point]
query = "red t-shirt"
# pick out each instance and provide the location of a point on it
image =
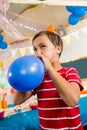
(54, 113)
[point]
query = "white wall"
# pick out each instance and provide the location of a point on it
(75, 45)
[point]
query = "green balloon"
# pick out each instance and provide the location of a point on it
(3, 81)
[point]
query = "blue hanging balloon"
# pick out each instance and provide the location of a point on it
(73, 19)
(80, 12)
(70, 8)
(77, 13)
(3, 45)
(1, 38)
(26, 73)
(85, 7)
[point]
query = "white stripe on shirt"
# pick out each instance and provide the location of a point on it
(59, 108)
(61, 118)
(65, 128)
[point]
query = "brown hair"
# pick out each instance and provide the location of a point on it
(53, 37)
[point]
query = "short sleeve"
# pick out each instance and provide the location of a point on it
(73, 76)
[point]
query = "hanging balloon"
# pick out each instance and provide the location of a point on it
(1, 38)
(70, 8)
(85, 7)
(73, 19)
(80, 12)
(3, 45)
(77, 13)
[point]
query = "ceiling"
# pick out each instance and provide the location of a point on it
(44, 14)
(24, 20)
(28, 19)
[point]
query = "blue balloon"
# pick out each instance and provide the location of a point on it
(73, 19)
(3, 45)
(26, 73)
(1, 38)
(80, 12)
(85, 7)
(70, 8)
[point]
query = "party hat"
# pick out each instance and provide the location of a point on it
(51, 28)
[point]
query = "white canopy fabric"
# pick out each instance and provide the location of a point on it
(52, 2)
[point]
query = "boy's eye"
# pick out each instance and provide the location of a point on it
(35, 49)
(42, 46)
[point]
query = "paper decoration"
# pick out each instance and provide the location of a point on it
(13, 52)
(22, 51)
(18, 54)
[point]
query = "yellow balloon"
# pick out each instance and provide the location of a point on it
(1, 65)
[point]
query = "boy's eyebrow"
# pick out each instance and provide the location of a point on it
(39, 44)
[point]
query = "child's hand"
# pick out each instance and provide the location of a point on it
(46, 61)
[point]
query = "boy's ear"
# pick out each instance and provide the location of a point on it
(58, 50)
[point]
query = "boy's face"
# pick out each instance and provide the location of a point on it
(42, 45)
